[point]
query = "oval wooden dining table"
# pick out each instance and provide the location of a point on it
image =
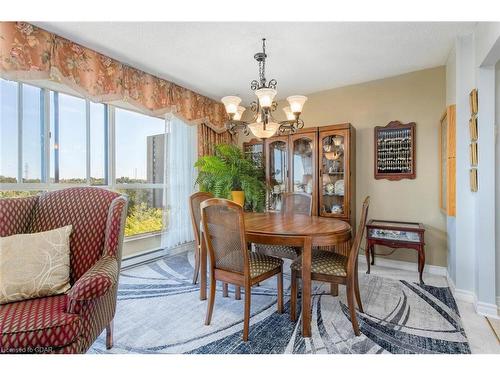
(290, 229)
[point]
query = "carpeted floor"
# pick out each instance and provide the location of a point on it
(495, 326)
(159, 311)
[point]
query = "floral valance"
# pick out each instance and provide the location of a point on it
(30, 53)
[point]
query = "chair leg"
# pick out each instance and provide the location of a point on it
(293, 297)
(196, 264)
(334, 289)
(211, 298)
(246, 319)
(109, 335)
(225, 290)
(237, 292)
(352, 308)
(279, 276)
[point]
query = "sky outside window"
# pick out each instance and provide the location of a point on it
(8, 131)
(72, 139)
(32, 134)
(98, 147)
(132, 131)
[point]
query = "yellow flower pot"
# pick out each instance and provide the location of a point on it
(238, 197)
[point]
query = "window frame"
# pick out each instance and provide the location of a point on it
(109, 152)
(45, 118)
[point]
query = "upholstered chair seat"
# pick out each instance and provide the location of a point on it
(324, 262)
(38, 325)
(281, 251)
(67, 323)
(260, 264)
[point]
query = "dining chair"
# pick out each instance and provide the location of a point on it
(194, 206)
(296, 203)
(331, 267)
(292, 203)
(230, 260)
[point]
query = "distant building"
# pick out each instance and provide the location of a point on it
(156, 166)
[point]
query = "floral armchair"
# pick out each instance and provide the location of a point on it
(67, 323)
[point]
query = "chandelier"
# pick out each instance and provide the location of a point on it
(263, 124)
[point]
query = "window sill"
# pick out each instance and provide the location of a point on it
(142, 236)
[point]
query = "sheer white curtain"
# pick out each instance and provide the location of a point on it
(182, 153)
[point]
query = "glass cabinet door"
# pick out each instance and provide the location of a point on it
(277, 172)
(303, 165)
(254, 150)
(333, 184)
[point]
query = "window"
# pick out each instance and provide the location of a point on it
(32, 129)
(9, 131)
(73, 150)
(70, 135)
(140, 163)
(79, 140)
(145, 211)
(50, 140)
(98, 144)
(140, 144)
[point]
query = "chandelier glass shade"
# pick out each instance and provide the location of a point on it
(231, 103)
(263, 131)
(263, 124)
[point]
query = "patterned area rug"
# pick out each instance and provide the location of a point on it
(159, 311)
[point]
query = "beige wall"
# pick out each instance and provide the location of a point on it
(419, 97)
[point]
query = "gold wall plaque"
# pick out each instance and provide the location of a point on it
(473, 179)
(473, 128)
(473, 102)
(473, 154)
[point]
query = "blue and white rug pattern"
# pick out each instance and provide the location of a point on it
(159, 311)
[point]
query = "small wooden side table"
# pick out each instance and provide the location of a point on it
(395, 234)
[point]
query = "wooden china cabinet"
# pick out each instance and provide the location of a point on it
(318, 161)
(337, 175)
(291, 166)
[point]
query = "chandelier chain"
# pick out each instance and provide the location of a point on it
(262, 65)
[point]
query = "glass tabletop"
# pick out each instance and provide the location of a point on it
(382, 223)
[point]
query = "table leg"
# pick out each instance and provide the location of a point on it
(203, 269)
(372, 249)
(306, 288)
(367, 255)
(421, 262)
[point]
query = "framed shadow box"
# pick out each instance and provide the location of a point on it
(394, 147)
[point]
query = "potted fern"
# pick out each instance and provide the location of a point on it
(228, 174)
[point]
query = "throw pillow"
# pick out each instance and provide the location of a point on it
(34, 265)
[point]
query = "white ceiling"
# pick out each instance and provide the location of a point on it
(216, 58)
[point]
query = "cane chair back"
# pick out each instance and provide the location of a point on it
(224, 229)
(353, 255)
(297, 203)
(194, 205)
(293, 203)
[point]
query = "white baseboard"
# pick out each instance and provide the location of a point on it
(406, 266)
(459, 294)
(152, 255)
(486, 309)
(482, 308)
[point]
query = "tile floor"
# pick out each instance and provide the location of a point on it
(481, 337)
